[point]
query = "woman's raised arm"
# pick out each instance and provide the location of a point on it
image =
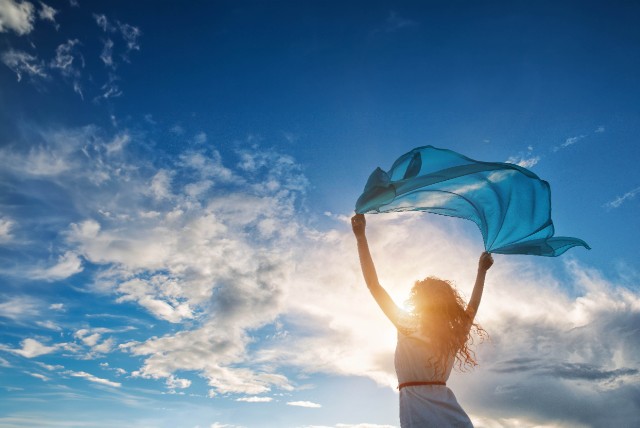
(386, 303)
(485, 262)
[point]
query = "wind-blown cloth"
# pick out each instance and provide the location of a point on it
(510, 204)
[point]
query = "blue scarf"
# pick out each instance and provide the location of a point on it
(510, 204)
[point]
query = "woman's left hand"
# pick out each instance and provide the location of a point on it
(485, 262)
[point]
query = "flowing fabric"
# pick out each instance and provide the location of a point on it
(510, 204)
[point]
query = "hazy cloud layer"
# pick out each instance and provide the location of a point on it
(221, 248)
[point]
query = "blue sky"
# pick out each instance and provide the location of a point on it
(176, 180)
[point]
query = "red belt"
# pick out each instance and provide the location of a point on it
(402, 385)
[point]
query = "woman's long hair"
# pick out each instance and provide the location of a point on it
(441, 316)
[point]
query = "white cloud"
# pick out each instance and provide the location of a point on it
(110, 89)
(47, 13)
(31, 348)
(23, 63)
(569, 142)
(20, 308)
(177, 130)
(200, 138)
(160, 186)
(50, 367)
(93, 339)
(525, 162)
(6, 225)
(117, 143)
(245, 256)
(92, 378)
(308, 404)
(16, 16)
(175, 382)
(39, 376)
(50, 325)
(600, 129)
(68, 265)
(107, 53)
(102, 21)
(130, 34)
(572, 140)
(65, 56)
(69, 62)
(57, 306)
(208, 165)
(615, 203)
(255, 399)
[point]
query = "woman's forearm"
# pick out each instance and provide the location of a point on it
(476, 296)
(485, 262)
(366, 262)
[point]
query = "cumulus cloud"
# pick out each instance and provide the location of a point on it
(175, 382)
(48, 13)
(68, 264)
(16, 16)
(197, 252)
(220, 262)
(31, 348)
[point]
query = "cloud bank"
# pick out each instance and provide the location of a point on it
(223, 250)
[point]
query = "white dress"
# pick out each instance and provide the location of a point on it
(425, 406)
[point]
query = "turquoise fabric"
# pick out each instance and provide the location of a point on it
(510, 204)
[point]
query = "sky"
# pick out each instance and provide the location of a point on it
(176, 183)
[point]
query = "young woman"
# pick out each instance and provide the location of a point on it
(431, 337)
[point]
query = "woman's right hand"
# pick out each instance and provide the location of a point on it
(358, 224)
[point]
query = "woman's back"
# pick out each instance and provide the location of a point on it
(415, 358)
(424, 406)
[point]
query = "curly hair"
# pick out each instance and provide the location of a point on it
(440, 314)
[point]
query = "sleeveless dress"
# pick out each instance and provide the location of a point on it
(425, 406)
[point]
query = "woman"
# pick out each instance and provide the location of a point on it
(431, 337)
